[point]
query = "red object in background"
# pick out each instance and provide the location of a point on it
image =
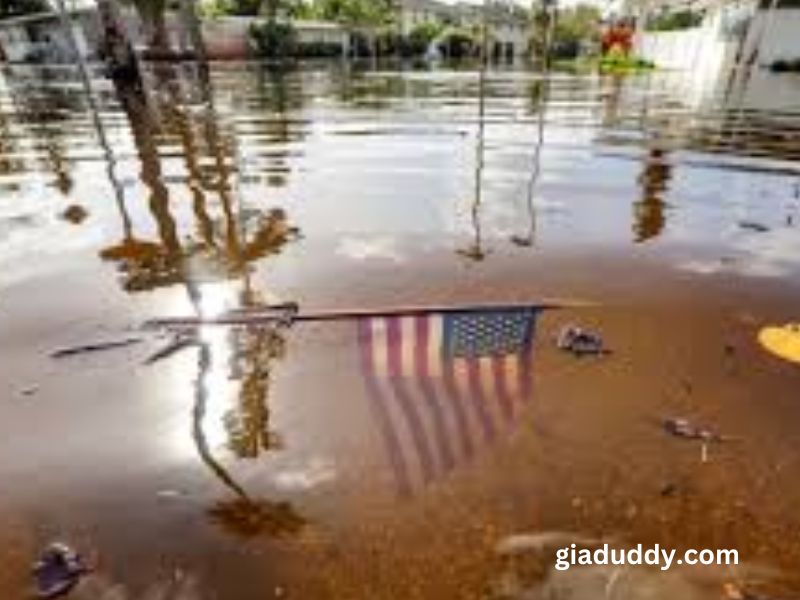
(619, 35)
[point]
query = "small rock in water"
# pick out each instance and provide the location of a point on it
(754, 226)
(58, 570)
(75, 214)
(579, 341)
(169, 494)
(29, 390)
(682, 428)
(669, 489)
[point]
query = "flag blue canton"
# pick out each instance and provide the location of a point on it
(487, 333)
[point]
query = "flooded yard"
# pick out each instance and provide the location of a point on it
(432, 440)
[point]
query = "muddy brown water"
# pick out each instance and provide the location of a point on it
(252, 464)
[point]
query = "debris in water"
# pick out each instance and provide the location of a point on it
(169, 494)
(580, 342)
(94, 347)
(29, 390)
(179, 341)
(782, 341)
(669, 489)
(753, 226)
(682, 428)
(75, 214)
(58, 570)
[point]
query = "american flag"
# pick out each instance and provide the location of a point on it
(443, 385)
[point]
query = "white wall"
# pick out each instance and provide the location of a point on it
(781, 35)
(704, 54)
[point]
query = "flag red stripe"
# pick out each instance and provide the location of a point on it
(478, 398)
(421, 349)
(394, 341)
(501, 387)
(525, 375)
(379, 409)
(449, 381)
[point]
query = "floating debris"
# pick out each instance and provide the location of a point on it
(753, 226)
(58, 570)
(179, 342)
(94, 347)
(683, 428)
(669, 489)
(782, 341)
(29, 391)
(580, 342)
(75, 214)
(170, 494)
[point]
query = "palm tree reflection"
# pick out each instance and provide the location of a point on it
(213, 263)
(243, 515)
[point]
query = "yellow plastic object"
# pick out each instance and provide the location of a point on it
(782, 341)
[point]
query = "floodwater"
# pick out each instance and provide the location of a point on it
(432, 455)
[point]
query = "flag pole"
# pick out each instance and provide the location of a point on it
(290, 313)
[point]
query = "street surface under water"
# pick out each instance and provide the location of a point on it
(431, 455)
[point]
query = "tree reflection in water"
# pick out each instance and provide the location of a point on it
(649, 217)
(244, 515)
(220, 253)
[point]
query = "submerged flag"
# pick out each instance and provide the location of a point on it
(443, 385)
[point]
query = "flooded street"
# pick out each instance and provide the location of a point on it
(421, 454)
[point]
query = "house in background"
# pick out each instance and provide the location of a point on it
(41, 36)
(508, 23)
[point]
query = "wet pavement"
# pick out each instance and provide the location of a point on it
(396, 456)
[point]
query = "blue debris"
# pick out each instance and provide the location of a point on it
(58, 570)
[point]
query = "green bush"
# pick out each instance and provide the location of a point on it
(621, 63)
(421, 36)
(674, 21)
(318, 50)
(273, 39)
(457, 43)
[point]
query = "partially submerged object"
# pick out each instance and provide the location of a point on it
(679, 427)
(580, 342)
(58, 570)
(94, 347)
(782, 341)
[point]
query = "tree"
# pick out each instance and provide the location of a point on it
(13, 8)
(357, 14)
(152, 14)
(422, 35)
(576, 26)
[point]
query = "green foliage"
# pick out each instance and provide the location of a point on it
(318, 50)
(420, 37)
(358, 13)
(13, 8)
(239, 8)
(252, 8)
(674, 21)
(614, 62)
(274, 39)
(575, 27)
(458, 42)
